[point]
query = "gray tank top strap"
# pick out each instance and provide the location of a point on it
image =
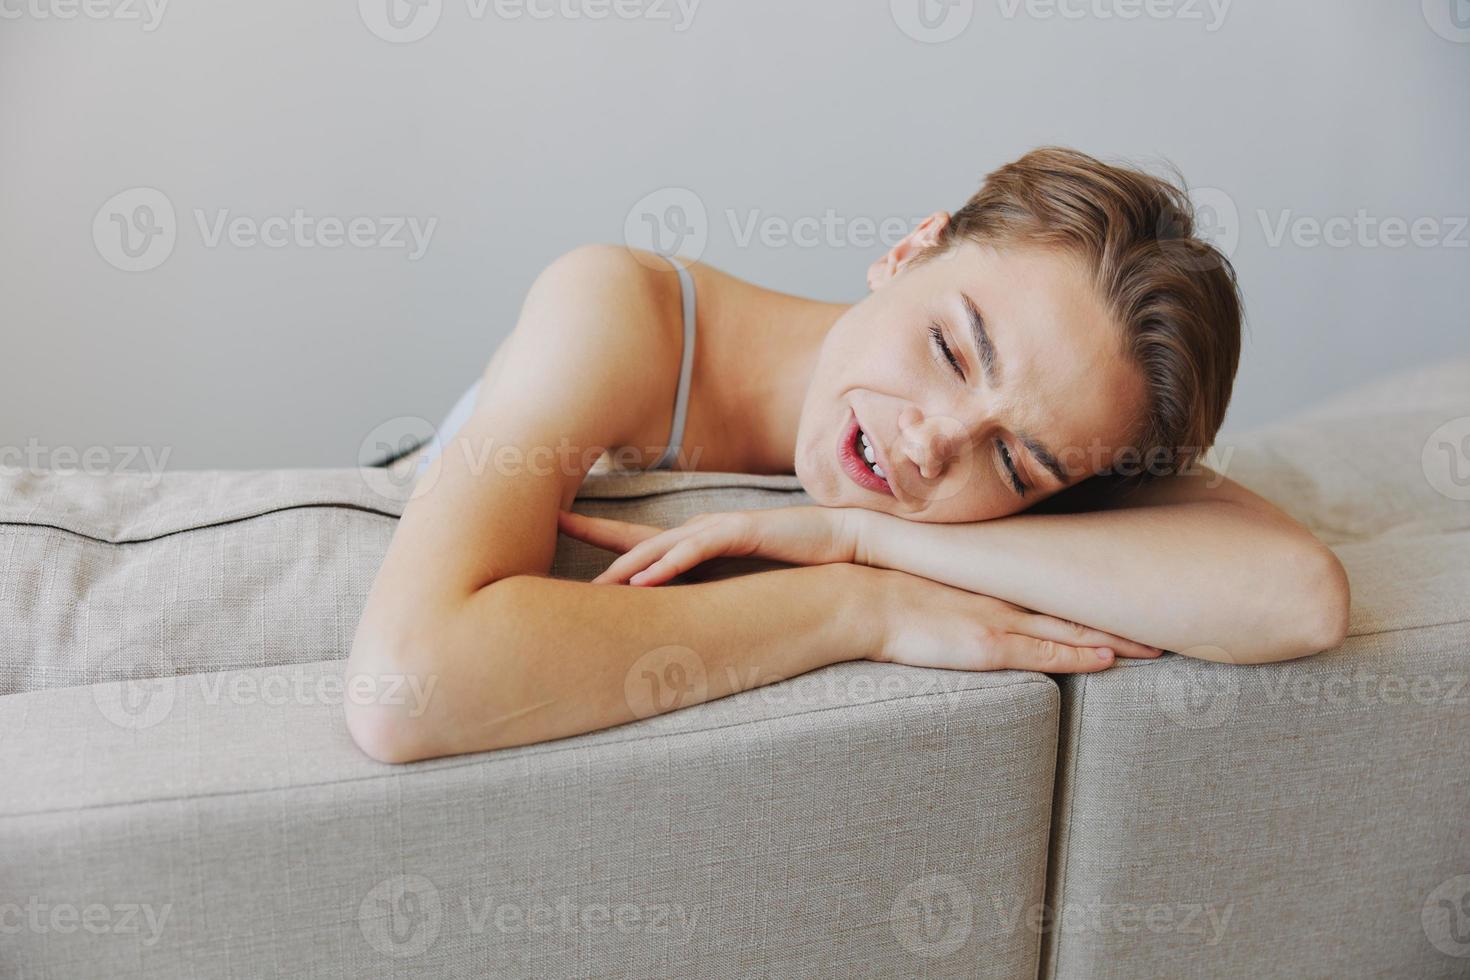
(686, 371)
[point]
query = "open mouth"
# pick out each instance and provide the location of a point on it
(865, 450)
(858, 458)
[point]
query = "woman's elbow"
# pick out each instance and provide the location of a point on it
(387, 695)
(1332, 600)
(1318, 615)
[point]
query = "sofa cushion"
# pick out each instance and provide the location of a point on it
(110, 576)
(1305, 816)
(1389, 459)
(860, 821)
(1271, 821)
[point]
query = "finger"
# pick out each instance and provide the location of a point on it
(622, 568)
(714, 538)
(1021, 652)
(679, 559)
(640, 557)
(1065, 631)
(601, 532)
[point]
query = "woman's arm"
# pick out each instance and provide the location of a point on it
(1196, 564)
(1192, 563)
(465, 644)
(532, 658)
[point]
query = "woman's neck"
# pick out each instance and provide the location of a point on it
(762, 348)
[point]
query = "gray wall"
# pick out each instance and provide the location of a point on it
(523, 136)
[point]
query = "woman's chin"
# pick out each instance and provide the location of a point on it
(822, 492)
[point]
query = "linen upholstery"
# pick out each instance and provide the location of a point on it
(858, 822)
(108, 576)
(172, 741)
(1313, 806)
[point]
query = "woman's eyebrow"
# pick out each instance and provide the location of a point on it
(989, 362)
(1043, 455)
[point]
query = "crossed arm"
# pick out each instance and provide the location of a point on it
(1215, 575)
(464, 603)
(1194, 563)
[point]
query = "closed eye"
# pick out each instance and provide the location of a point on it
(941, 347)
(943, 352)
(1010, 468)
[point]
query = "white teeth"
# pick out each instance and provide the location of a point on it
(869, 455)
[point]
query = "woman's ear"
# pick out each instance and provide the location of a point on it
(923, 236)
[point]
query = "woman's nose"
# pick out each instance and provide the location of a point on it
(927, 441)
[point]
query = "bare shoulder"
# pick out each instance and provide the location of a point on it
(599, 290)
(598, 341)
(570, 379)
(600, 270)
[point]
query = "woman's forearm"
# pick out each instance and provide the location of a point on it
(1212, 580)
(530, 658)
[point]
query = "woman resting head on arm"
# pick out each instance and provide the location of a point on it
(1063, 331)
(1062, 340)
(1073, 317)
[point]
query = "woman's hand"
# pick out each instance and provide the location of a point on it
(652, 555)
(916, 621)
(924, 623)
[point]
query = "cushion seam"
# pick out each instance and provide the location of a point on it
(1073, 750)
(211, 524)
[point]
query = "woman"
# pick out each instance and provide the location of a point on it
(1062, 339)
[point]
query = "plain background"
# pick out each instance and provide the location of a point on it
(524, 135)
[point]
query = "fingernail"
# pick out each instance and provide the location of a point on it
(1103, 653)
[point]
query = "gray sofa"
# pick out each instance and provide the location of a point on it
(181, 798)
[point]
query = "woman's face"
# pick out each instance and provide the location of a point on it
(1033, 395)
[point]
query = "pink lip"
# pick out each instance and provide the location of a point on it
(854, 465)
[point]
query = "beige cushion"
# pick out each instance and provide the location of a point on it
(769, 833)
(129, 575)
(854, 822)
(1304, 818)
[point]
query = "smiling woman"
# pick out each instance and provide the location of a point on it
(1063, 337)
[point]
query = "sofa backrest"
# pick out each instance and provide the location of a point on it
(127, 575)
